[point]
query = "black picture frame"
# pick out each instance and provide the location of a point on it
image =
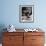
(26, 13)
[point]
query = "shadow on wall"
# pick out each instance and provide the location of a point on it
(2, 26)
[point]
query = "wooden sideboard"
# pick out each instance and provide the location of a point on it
(23, 39)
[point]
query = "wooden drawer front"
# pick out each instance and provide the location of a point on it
(37, 45)
(27, 41)
(13, 33)
(16, 41)
(11, 39)
(33, 33)
(5, 40)
(37, 39)
(13, 44)
(33, 39)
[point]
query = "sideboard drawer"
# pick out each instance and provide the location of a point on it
(33, 33)
(37, 39)
(13, 39)
(13, 33)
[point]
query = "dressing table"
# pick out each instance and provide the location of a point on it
(22, 38)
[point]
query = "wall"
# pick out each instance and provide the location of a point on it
(9, 13)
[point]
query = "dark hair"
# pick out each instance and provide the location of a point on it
(23, 8)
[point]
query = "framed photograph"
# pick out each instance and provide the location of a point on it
(26, 13)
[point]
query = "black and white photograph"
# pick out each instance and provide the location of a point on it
(26, 13)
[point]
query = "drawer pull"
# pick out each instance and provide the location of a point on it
(33, 39)
(10, 38)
